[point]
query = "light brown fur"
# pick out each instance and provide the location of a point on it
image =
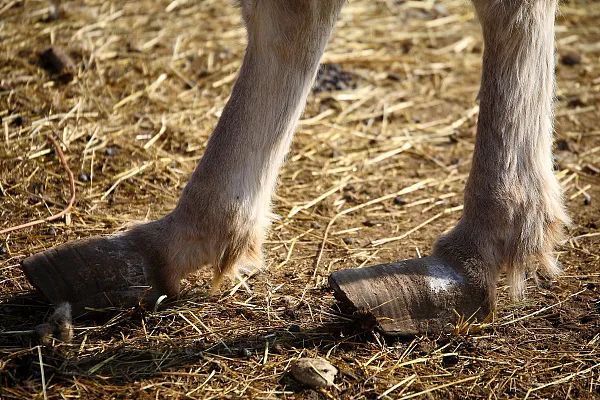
(513, 214)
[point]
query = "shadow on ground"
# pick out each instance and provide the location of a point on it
(120, 360)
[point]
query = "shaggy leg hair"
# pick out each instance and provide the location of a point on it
(513, 212)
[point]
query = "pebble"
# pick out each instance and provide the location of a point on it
(314, 372)
(399, 201)
(83, 177)
(587, 199)
(348, 240)
(244, 352)
(111, 151)
(570, 59)
(315, 225)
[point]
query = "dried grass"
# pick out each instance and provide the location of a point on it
(151, 80)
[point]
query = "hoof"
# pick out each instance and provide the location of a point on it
(97, 272)
(424, 295)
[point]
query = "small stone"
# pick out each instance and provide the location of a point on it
(577, 101)
(3, 250)
(244, 352)
(111, 151)
(587, 199)
(83, 177)
(399, 201)
(570, 59)
(348, 240)
(315, 225)
(313, 372)
(51, 231)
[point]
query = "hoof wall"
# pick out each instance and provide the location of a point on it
(97, 272)
(424, 295)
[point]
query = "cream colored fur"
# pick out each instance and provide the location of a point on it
(223, 213)
(513, 215)
(513, 212)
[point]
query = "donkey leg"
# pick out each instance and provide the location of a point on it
(223, 213)
(513, 212)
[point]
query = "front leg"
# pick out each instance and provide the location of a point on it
(513, 212)
(223, 213)
(232, 186)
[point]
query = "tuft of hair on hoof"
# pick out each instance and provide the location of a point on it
(243, 258)
(62, 322)
(43, 332)
(59, 326)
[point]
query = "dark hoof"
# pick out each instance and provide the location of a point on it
(97, 272)
(424, 295)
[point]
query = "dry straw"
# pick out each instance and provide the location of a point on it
(376, 173)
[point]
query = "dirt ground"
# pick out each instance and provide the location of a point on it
(395, 106)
